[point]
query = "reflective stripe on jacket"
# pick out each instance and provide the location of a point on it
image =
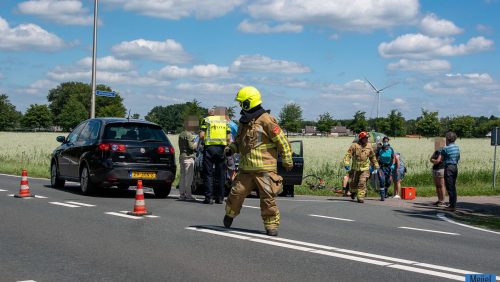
(258, 143)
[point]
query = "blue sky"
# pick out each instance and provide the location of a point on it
(443, 55)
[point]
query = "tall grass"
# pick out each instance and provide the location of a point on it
(322, 156)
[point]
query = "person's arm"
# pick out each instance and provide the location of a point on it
(277, 136)
(373, 159)
(348, 156)
(193, 143)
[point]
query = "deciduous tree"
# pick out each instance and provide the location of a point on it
(290, 117)
(37, 117)
(9, 117)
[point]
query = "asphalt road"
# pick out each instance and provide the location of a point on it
(65, 236)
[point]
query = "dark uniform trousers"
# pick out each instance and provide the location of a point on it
(214, 170)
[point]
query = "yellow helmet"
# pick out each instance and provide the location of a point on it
(249, 97)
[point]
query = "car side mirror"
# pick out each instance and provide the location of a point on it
(61, 139)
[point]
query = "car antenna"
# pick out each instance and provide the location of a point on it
(128, 117)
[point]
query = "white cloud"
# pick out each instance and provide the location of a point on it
(213, 88)
(433, 26)
(259, 63)
(471, 83)
(177, 9)
(486, 29)
(261, 27)
(428, 66)
(29, 37)
(164, 51)
(203, 71)
(40, 87)
(106, 63)
(340, 14)
(419, 46)
(69, 12)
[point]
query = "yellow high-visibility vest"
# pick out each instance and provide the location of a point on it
(216, 130)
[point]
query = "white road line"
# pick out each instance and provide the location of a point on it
(252, 207)
(80, 204)
(40, 197)
(443, 217)
(2, 190)
(383, 261)
(64, 204)
(148, 215)
(124, 215)
(27, 281)
(427, 230)
(329, 217)
(18, 176)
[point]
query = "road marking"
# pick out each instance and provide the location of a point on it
(252, 207)
(27, 281)
(80, 204)
(64, 204)
(124, 215)
(443, 217)
(329, 217)
(34, 196)
(40, 197)
(427, 230)
(19, 176)
(2, 190)
(384, 261)
(148, 215)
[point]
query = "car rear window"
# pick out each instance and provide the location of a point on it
(134, 132)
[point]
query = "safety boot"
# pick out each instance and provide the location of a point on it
(272, 232)
(227, 221)
(353, 195)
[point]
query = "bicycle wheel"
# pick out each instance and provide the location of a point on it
(312, 181)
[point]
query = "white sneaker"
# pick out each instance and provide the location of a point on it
(396, 197)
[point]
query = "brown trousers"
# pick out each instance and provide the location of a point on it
(269, 184)
(358, 183)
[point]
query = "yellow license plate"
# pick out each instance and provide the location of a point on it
(143, 174)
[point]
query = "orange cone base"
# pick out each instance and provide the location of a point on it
(24, 196)
(139, 213)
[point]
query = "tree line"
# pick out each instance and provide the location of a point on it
(69, 104)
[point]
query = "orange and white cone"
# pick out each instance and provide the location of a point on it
(140, 206)
(24, 192)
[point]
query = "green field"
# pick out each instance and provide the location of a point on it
(323, 156)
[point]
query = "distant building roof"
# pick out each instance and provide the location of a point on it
(311, 129)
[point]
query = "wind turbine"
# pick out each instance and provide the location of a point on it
(377, 91)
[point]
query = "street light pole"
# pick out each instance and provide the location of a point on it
(94, 51)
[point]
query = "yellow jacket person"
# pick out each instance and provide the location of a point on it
(258, 142)
(362, 155)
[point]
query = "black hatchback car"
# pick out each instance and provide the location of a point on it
(105, 152)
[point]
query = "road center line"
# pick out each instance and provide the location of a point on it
(329, 217)
(251, 207)
(80, 204)
(64, 204)
(427, 230)
(339, 253)
(443, 217)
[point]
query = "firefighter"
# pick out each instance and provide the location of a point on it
(258, 142)
(216, 134)
(361, 154)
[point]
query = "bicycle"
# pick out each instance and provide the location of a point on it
(315, 182)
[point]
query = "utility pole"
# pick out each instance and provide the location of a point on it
(94, 52)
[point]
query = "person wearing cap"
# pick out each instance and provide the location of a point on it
(258, 142)
(361, 153)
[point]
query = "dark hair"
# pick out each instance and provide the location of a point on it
(385, 138)
(451, 136)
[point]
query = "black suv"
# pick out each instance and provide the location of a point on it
(105, 152)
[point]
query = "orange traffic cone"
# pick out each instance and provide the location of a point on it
(140, 206)
(24, 192)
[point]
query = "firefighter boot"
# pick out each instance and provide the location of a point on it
(272, 232)
(227, 221)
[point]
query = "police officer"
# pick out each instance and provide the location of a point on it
(215, 134)
(258, 141)
(361, 154)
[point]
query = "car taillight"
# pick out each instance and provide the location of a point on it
(113, 147)
(165, 150)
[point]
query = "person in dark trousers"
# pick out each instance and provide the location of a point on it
(215, 134)
(450, 155)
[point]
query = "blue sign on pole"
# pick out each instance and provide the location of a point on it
(105, 93)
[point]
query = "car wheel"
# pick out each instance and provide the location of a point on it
(86, 184)
(162, 191)
(55, 181)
